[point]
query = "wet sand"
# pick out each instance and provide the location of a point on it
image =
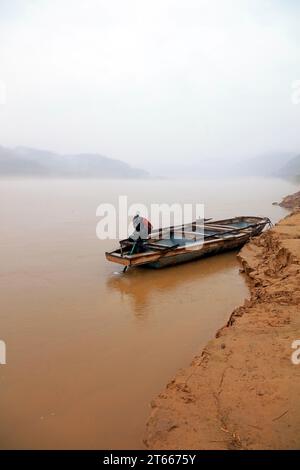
(87, 349)
(242, 391)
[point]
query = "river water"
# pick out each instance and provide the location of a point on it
(87, 347)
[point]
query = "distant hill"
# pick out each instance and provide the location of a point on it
(292, 167)
(268, 164)
(24, 161)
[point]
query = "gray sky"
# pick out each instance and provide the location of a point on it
(151, 82)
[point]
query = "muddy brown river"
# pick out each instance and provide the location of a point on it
(88, 347)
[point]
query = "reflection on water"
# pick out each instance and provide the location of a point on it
(143, 285)
(88, 349)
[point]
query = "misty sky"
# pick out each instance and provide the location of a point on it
(153, 83)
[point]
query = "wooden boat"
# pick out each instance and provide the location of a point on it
(179, 244)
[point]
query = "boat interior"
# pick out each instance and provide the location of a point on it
(169, 238)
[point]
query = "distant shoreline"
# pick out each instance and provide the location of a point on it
(76, 177)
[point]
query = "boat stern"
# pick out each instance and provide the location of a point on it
(117, 258)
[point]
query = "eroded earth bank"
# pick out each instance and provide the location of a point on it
(243, 390)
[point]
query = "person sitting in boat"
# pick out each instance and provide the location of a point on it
(142, 230)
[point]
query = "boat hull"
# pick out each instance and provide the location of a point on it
(187, 257)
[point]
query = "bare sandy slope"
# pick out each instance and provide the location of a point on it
(243, 391)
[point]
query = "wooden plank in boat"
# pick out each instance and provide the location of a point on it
(159, 246)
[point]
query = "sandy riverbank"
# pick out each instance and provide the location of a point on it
(242, 391)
